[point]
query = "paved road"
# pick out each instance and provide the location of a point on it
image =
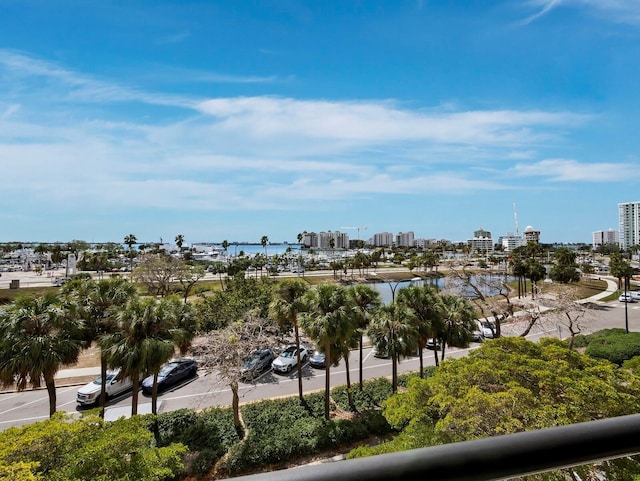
(205, 390)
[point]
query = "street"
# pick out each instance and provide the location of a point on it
(206, 390)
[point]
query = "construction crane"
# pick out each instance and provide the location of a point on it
(356, 228)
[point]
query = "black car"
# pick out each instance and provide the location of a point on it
(259, 361)
(171, 374)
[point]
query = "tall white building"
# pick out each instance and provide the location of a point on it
(382, 239)
(510, 242)
(482, 242)
(404, 239)
(603, 237)
(629, 216)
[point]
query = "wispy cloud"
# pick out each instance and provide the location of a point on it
(174, 38)
(256, 153)
(567, 170)
(619, 11)
(544, 6)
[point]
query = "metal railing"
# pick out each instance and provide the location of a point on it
(490, 459)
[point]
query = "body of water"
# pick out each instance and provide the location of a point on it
(386, 289)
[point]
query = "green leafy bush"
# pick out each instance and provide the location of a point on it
(615, 348)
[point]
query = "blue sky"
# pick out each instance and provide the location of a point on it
(237, 119)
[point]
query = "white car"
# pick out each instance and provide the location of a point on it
(626, 297)
(635, 295)
(288, 359)
(89, 394)
(487, 328)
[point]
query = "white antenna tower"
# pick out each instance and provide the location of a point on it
(515, 217)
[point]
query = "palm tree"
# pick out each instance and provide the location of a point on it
(391, 330)
(179, 241)
(366, 300)
(130, 241)
(285, 308)
(458, 322)
(264, 241)
(225, 246)
(171, 326)
(99, 302)
(126, 348)
(38, 335)
(326, 320)
(425, 306)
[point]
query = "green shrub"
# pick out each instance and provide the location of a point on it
(615, 348)
(212, 431)
(172, 425)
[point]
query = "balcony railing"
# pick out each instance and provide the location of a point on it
(495, 458)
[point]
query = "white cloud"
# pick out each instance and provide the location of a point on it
(72, 142)
(567, 170)
(619, 11)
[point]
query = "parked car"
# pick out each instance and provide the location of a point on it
(626, 297)
(171, 374)
(635, 295)
(89, 394)
(476, 333)
(259, 361)
(317, 360)
(488, 328)
(434, 344)
(288, 359)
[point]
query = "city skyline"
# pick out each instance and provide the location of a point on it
(230, 120)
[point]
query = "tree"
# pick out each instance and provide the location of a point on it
(326, 320)
(264, 241)
(38, 335)
(458, 319)
(511, 385)
(179, 242)
(621, 269)
(536, 272)
(289, 302)
(243, 294)
(392, 331)
(188, 276)
(158, 273)
(99, 302)
(130, 241)
(169, 326)
(224, 350)
(425, 307)
(126, 347)
(225, 246)
(64, 448)
(366, 300)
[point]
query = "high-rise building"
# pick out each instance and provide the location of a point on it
(531, 235)
(482, 242)
(404, 239)
(603, 237)
(382, 239)
(629, 216)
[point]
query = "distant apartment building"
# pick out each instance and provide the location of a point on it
(531, 235)
(629, 217)
(340, 240)
(382, 239)
(424, 243)
(510, 241)
(481, 242)
(603, 237)
(405, 239)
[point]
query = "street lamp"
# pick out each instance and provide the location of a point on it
(394, 285)
(626, 301)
